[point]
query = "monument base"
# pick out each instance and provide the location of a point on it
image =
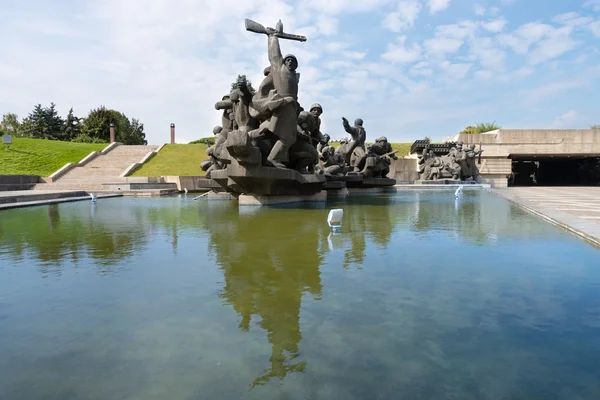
(212, 195)
(343, 192)
(446, 182)
(334, 185)
(369, 190)
(208, 184)
(267, 181)
(257, 200)
(365, 183)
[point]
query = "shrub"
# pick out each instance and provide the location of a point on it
(83, 138)
(211, 141)
(480, 128)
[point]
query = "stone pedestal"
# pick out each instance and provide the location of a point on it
(334, 185)
(267, 181)
(445, 182)
(258, 200)
(221, 196)
(370, 182)
(369, 190)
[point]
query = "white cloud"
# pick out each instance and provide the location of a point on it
(593, 4)
(421, 69)
(595, 28)
(327, 25)
(493, 11)
(449, 39)
(494, 26)
(336, 65)
(542, 42)
(548, 91)
(335, 46)
(557, 43)
(459, 30)
(572, 19)
(340, 6)
(436, 6)
(456, 71)
(524, 71)
(404, 17)
(355, 55)
(399, 53)
(479, 10)
(484, 75)
(490, 57)
(565, 120)
(443, 46)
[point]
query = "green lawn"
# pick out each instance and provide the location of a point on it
(185, 159)
(41, 157)
(175, 160)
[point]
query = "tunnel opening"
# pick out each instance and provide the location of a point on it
(555, 171)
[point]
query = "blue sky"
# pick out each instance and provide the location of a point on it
(409, 68)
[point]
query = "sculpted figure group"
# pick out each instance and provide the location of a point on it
(458, 164)
(269, 128)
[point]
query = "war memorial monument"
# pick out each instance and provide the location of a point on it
(269, 149)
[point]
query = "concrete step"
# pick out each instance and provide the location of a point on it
(19, 197)
(104, 168)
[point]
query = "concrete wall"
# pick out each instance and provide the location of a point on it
(540, 142)
(18, 182)
(191, 183)
(404, 170)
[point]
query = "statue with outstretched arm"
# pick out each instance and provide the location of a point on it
(283, 122)
(357, 150)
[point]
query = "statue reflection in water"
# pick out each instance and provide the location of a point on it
(268, 263)
(270, 257)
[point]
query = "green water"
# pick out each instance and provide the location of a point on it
(419, 297)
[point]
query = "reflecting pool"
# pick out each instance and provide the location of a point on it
(420, 296)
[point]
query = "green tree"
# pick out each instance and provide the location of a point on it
(596, 126)
(243, 78)
(97, 126)
(427, 138)
(71, 126)
(480, 128)
(43, 123)
(11, 124)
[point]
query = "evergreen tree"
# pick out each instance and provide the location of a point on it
(71, 126)
(43, 123)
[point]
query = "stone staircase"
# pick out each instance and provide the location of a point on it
(104, 168)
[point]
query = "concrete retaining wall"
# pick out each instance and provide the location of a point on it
(18, 182)
(404, 170)
(192, 183)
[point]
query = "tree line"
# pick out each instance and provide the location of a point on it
(46, 123)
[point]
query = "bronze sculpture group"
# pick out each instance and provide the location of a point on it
(269, 129)
(459, 164)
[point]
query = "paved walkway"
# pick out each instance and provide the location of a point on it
(574, 208)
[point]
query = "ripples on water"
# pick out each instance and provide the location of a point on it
(420, 296)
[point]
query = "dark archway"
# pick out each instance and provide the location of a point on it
(528, 170)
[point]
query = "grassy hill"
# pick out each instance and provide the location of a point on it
(185, 159)
(176, 160)
(41, 157)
